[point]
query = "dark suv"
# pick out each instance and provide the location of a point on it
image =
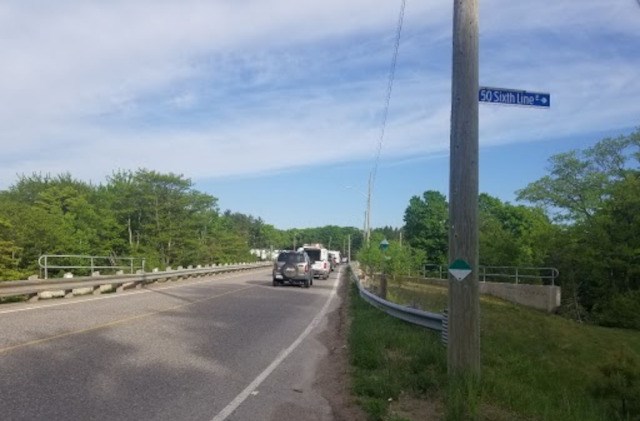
(293, 267)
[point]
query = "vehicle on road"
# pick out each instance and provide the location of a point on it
(319, 256)
(334, 256)
(293, 267)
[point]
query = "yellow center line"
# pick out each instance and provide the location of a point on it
(116, 322)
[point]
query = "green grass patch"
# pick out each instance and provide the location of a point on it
(547, 367)
(13, 299)
(535, 366)
(418, 294)
(391, 358)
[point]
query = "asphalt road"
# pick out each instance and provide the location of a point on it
(230, 347)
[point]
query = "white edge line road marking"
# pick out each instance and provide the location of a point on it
(122, 295)
(234, 404)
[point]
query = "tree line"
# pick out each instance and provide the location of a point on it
(582, 218)
(159, 217)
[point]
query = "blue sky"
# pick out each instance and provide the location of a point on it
(275, 107)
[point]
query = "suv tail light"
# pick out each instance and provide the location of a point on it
(306, 268)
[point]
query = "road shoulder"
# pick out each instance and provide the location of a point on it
(334, 371)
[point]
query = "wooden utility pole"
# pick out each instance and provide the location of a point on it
(463, 350)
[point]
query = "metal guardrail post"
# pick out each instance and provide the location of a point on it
(444, 334)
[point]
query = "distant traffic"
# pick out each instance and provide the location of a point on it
(301, 266)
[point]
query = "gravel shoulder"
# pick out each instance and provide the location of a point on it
(334, 372)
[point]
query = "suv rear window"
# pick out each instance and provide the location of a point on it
(314, 255)
(291, 257)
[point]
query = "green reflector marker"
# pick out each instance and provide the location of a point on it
(459, 269)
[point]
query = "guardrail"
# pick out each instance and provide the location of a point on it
(433, 321)
(33, 290)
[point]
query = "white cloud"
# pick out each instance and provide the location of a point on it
(212, 88)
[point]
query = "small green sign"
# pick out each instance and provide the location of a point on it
(459, 269)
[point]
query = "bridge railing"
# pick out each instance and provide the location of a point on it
(34, 289)
(515, 274)
(91, 264)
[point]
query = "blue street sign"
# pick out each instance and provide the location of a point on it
(514, 97)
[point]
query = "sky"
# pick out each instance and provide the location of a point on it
(276, 107)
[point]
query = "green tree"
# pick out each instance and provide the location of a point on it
(172, 214)
(397, 260)
(161, 217)
(580, 181)
(595, 193)
(228, 243)
(54, 215)
(512, 235)
(611, 241)
(9, 252)
(426, 225)
(615, 233)
(123, 196)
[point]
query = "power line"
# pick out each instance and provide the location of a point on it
(385, 115)
(392, 73)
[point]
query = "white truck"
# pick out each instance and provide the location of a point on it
(334, 255)
(319, 256)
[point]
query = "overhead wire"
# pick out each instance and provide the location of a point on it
(385, 114)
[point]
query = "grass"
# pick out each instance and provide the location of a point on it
(535, 366)
(13, 299)
(425, 296)
(391, 358)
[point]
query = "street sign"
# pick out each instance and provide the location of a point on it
(459, 269)
(514, 97)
